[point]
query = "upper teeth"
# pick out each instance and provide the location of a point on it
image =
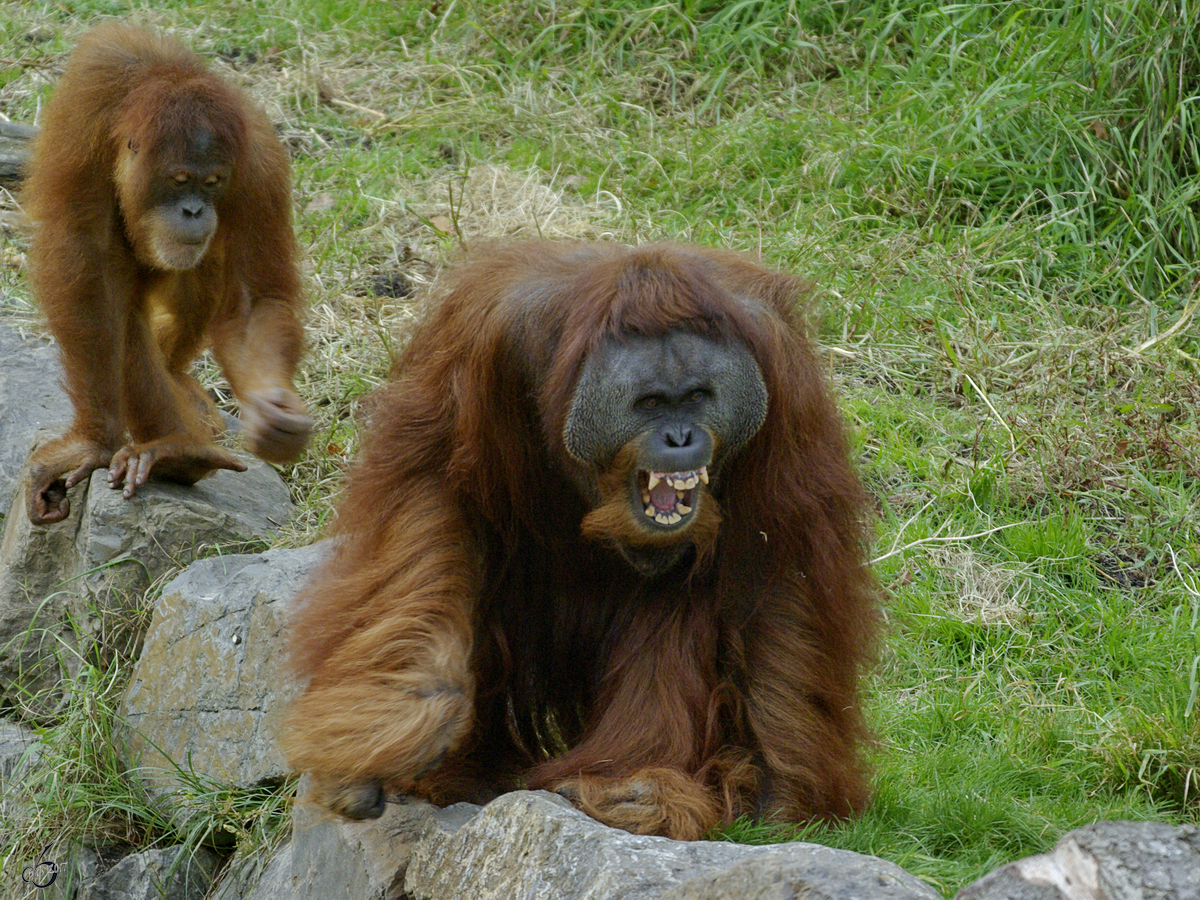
(681, 481)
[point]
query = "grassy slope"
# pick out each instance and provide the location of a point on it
(999, 204)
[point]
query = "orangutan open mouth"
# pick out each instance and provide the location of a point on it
(669, 497)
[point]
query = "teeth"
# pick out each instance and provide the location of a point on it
(661, 519)
(680, 481)
(673, 518)
(681, 509)
(650, 511)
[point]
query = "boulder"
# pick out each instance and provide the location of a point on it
(1103, 861)
(30, 398)
(800, 871)
(75, 586)
(78, 866)
(208, 689)
(332, 859)
(535, 845)
(18, 751)
(340, 860)
(258, 878)
(168, 874)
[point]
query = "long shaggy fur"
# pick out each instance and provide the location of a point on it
(466, 638)
(129, 305)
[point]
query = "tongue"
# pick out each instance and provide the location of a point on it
(662, 495)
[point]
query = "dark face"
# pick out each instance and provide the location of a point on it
(179, 195)
(653, 420)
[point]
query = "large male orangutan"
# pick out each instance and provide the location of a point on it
(162, 200)
(603, 538)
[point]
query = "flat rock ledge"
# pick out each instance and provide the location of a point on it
(533, 845)
(537, 846)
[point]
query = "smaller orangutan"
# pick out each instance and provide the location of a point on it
(604, 538)
(162, 203)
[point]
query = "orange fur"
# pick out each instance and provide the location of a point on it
(129, 301)
(475, 606)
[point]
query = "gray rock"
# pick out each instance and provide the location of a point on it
(329, 858)
(800, 871)
(333, 859)
(18, 749)
(75, 585)
(14, 151)
(169, 874)
(18, 752)
(78, 867)
(256, 878)
(37, 566)
(30, 398)
(208, 691)
(536, 846)
(1103, 861)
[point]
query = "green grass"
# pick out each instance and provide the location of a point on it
(998, 202)
(79, 789)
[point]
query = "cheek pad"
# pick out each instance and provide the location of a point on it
(745, 402)
(595, 428)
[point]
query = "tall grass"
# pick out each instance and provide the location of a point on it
(1084, 114)
(1081, 115)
